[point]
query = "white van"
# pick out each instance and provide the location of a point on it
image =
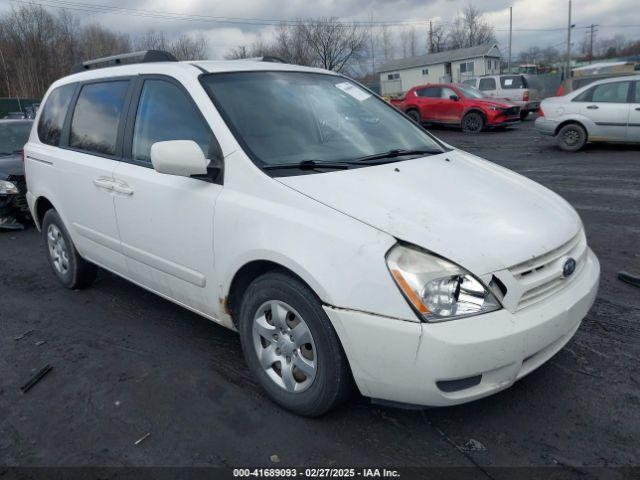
(344, 242)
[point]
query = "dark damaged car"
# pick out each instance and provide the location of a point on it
(14, 211)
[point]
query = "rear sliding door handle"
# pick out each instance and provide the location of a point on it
(593, 107)
(103, 182)
(122, 188)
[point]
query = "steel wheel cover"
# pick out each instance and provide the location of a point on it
(284, 346)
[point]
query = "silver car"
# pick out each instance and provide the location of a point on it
(604, 111)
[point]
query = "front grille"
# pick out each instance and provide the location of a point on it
(542, 276)
(512, 112)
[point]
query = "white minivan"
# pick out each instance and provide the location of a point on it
(346, 244)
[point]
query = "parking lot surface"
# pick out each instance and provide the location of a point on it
(127, 363)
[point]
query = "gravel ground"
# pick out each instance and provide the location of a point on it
(127, 363)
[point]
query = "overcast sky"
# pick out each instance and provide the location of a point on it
(533, 20)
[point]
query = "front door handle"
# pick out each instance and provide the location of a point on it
(104, 182)
(122, 188)
(637, 109)
(593, 107)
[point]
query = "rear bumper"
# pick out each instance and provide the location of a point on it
(546, 126)
(462, 360)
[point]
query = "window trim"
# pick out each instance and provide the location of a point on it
(127, 147)
(66, 131)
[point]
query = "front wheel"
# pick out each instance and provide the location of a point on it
(572, 137)
(472, 122)
(291, 347)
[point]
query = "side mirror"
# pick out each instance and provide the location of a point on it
(183, 158)
(455, 98)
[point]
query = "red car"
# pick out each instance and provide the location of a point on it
(454, 104)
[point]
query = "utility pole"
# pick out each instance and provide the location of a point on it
(430, 37)
(592, 33)
(510, 35)
(567, 72)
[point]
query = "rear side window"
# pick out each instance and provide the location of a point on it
(487, 84)
(611, 92)
(97, 116)
(166, 113)
(53, 114)
(513, 82)
(432, 92)
(637, 97)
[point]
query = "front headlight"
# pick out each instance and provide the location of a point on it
(494, 108)
(436, 288)
(8, 188)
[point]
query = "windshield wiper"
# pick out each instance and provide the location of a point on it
(307, 165)
(398, 152)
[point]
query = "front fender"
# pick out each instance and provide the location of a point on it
(340, 258)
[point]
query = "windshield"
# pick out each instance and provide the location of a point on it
(13, 136)
(470, 92)
(293, 117)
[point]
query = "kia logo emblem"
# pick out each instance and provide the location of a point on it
(569, 267)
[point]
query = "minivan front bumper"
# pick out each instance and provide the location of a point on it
(453, 362)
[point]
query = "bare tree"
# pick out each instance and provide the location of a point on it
(325, 43)
(469, 29)
(334, 45)
(386, 42)
(409, 42)
(437, 38)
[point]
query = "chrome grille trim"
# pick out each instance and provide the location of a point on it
(541, 277)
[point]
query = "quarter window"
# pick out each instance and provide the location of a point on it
(53, 114)
(487, 84)
(166, 113)
(97, 116)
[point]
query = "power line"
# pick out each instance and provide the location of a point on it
(165, 15)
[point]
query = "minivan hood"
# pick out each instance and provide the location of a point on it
(471, 211)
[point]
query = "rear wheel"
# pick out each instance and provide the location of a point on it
(71, 269)
(571, 137)
(472, 122)
(415, 116)
(291, 347)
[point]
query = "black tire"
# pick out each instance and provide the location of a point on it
(571, 137)
(79, 273)
(333, 382)
(524, 114)
(472, 122)
(415, 116)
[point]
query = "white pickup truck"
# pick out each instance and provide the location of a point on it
(514, 87)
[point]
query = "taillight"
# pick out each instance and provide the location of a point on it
(22, 155)
(525, 96)
(540, 112)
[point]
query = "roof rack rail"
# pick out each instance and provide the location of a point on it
(143, 56)
(265, 58)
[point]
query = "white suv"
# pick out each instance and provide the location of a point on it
(339, 238)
